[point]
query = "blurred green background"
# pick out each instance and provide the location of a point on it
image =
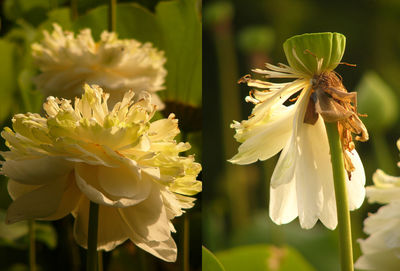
(240, 35)
(164, 23)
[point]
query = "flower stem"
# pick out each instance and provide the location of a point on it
(112, 5)
(74, 9)
(91, 263)
(186, 230)
(342, 205)
(32, 245)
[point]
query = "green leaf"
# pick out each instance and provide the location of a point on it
(263, 257)
(210, 262)
(327, 46)
(7, 77)
(61, 16)
(32, 99)
(133, 21)
(16, 235)
(181, 29)
(33, 11)
(374, 93)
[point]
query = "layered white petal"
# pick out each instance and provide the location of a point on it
(381, 250)
(111, 227)
(386, 188)
(149, 218)
(36, 171)
(88, 180)
(42, 202)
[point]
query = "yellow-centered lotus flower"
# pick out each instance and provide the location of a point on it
(381, 250)
(117, 158)
(67, 62)
(290, 116)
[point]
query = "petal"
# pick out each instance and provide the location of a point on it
(283, 203)
(149, 218)
(111, 231)
(39, 203)
(386, 260)
(16, 190)
(36, 171)
(69, 200)
(285, 168)
(382, 218)
(266, 140)
(124, 182)
(385, 189)
(165, 250)
(164, 129)
(355, 186)
(313, 168)
(87, 179)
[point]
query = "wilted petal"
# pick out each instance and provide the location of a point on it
(277, 130)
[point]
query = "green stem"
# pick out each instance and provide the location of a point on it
(32, 245)
(186, 230)
(112, 15)
(342, 205)
(74, 9)
(91, 264)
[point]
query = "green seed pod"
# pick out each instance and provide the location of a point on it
(303, 51)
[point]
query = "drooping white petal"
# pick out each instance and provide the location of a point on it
(264, 141)
(313, 169)
(110, 227)
(39, 203)
(283, 203)
(285, 168)
(355, 186)
(36, 171)
(149, 218)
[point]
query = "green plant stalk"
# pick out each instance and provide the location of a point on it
(186, 230)
(185, 243)
(91, 261)
(342, 205)
(112, 6)
(74, 9)
(32, 245)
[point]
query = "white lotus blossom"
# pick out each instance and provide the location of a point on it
(381, 250)
(67, 62)
(302, 182)
(117, 158)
